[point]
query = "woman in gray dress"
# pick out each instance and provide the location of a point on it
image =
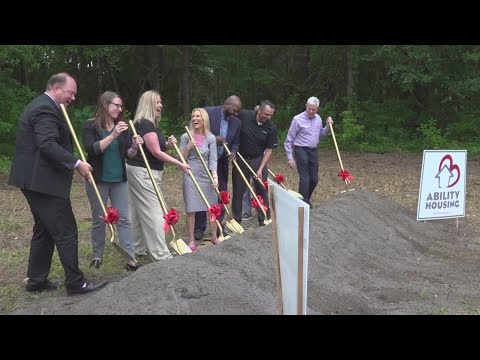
(207, 144)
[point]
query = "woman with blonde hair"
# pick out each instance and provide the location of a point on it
(146, 213)
(207, 144)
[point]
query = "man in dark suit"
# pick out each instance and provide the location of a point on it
(42, 167)
(225, 125)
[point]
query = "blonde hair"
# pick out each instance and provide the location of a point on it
(205, 118)
(146, 107)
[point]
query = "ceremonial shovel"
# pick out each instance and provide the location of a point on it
(344, 174)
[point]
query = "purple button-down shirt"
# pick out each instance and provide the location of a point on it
(304, 131)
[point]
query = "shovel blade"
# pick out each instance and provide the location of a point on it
(180, 247)
(234, 226)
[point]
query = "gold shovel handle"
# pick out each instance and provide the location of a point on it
(251, 170)
(246, 182)
(91, 179)
(336, 148)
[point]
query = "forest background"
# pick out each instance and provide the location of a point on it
(383, 98)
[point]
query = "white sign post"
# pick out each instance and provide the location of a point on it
(290, 225)
(442, 185)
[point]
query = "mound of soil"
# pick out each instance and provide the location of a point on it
(367, 255)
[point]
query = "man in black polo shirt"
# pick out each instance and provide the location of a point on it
(258, 138)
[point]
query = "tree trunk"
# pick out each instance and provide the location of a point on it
(186, 80)
(350, 83)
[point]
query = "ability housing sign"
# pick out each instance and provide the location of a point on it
(442, 185)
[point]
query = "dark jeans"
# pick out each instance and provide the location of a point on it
(201, 216)
(307, 167)
(239, 187)
(55, 225)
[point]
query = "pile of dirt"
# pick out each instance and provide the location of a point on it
(367, 255)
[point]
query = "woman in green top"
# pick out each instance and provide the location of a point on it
(107, 142)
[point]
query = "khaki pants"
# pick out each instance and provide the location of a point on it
(146, 215)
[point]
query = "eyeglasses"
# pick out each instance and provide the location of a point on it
(119, 106)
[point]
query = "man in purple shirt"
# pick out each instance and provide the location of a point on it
(303, 136)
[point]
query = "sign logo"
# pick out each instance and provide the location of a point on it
(446, 171)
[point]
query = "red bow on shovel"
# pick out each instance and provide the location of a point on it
(215, 211)
(224, 197)
(171, 218)
(255, 204)
(345, 175)
(111, 217)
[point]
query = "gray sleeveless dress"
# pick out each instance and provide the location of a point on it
(191, 197)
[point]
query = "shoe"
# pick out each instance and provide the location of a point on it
(91, 286)
(131, 267)
(261, 223)
(198, 236)
(96, 263)
(246, 217)
(47, 285)
(192, 247)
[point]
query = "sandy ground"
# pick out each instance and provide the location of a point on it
(367, 255)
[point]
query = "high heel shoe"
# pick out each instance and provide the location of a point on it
(192, 247)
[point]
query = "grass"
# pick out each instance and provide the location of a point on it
(5, 163)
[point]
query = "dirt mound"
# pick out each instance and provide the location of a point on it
(367, 255)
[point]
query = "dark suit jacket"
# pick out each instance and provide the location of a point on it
(43, 160)
(91, 143)
(233, 132)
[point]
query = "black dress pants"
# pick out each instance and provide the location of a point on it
(55, 225)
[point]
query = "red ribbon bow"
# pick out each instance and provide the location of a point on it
(111, 216)
(215, 211)
(171, 218)
(345, 175)
(224, 197)
(279, 178)
(265, 183)
(255, 205)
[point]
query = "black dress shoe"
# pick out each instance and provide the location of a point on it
(47, 285)
(91, 286)
(131, 267)
(96, 263)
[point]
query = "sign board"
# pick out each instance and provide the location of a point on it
(442, 185)
(291, 224)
